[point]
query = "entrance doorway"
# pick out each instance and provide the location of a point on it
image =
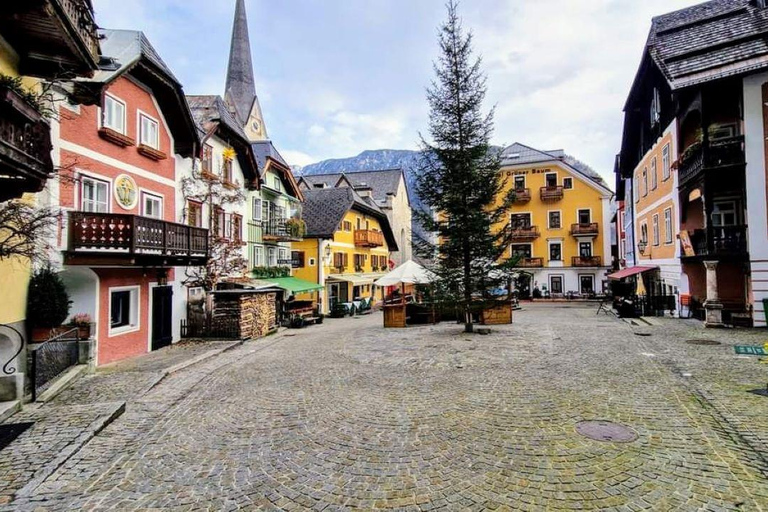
(162, 317)
(524, 286)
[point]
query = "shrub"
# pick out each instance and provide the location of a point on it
(48, 302)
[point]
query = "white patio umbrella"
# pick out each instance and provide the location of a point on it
(409, 272)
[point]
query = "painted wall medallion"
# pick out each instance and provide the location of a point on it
(127, 192)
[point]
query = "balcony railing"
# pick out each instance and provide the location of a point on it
(589, 229)
(526, 262)
(550, 194)
(368, 238)
(130, 240)
(25, 146)
(282, 230)
(716, 154)
(522, 195)
(720, 241)
(587, 261)
(518, 233)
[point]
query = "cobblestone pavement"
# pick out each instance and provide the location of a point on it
(347, 415)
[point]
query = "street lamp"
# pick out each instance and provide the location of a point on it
(327, 254)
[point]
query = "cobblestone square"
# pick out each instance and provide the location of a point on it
(348, 415)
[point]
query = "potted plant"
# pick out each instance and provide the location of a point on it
(83, 323)
(296, 227)
(48, 304)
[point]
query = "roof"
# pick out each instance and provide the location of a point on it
(121, 49)
(240, 87)
(709, 41)
(520, 154)
(382, 182)
(264, 149)
(324, 209)
(213, 108)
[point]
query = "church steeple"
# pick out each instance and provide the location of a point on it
(240, 89)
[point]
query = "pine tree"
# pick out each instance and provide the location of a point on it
(459, 179)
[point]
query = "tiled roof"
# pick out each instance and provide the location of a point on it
(212, 108)
(324, 209)
(710, 41)
(382, 183)
(520, 154)
(121, 49)
(265, 149)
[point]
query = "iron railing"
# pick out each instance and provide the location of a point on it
(7, 368)
(716, 153)
(52, 358)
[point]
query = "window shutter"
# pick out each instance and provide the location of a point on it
(346, 260)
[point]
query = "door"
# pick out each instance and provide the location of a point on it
(520, 221)
(524, 286)
(162, 317)
(556, 284)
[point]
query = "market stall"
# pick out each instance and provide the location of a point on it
(402, 307)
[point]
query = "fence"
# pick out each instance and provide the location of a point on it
(52, 358)
(220, 328)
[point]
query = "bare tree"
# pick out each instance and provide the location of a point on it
(26, 231)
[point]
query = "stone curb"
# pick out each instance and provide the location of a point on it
(62, 383)
(71, 449)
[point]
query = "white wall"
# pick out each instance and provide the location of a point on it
(754, 138)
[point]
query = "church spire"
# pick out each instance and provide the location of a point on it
(240, 88)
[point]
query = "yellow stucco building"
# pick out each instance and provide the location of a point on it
(346, 247)
(560, 222)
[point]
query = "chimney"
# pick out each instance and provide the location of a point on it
(364, 190)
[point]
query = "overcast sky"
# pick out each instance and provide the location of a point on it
(336, 77)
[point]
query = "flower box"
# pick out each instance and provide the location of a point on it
(150, 152)
(115, 137)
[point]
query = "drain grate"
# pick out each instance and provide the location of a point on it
(606, 431)
(703, 342)
(11, 431)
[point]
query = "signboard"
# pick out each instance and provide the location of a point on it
(531, 171)
(747, 350)
(685, 240)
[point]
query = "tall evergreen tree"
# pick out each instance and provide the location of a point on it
(459, 179)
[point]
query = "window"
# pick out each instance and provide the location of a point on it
(359, 223)
(340, 260)
(584, 216)
(654, 178)
(665, 163)
(237, 228)
(555, 221)
(668, 226)
(551, 180)
(656, 237)
(258, 256)
(520, 182)
(585, 249)
(123, 310)
(655, 107)
(152, 206)
(520, 220)
(522, 250)
(226, 171)
(724, 219)
(312, 262)
(207, 159)
(587, 284)
(347, 226)
(256, 208)
(297, 259)
(282, 258)
(556, 252)
(277, 184)
(568, 183)
(95, 195)
(644, 234)
(148, 132)
(272, 257)
(113, 116)
(645, 182)
(194, 214)
(265, 207)
(636, 188)
(220, 223)
(556, 284)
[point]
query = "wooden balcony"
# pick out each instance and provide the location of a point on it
(724, 243)
(368, 238)
(551, 194)
(133, 241)
(524, 233)
(584, 261)
(522, 195)
(530, 263)
(590, 229)
(53, 38)
(718, 154)
(25, 147)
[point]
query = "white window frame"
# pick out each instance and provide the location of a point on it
(579, 210)
(668, 233)
(568, 180)
(123, 128)
(312, 262)
(135, 313)
(549, 251)
(152, 196)
(256, 206)
(277, 184)
(666, 164)
(645, 181)
(547, 174)
(106, 183)
(562, 283)
(272, 256)
(258, 256)
(519, 177)
(155, 144)
(549, 220)
(654, 175)
(636, 187)
(655, 230)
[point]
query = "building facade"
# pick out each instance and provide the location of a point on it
(347, 245)
(700, 91)
(560, 221)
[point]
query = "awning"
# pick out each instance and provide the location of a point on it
(355, 279)
(409, 272)
(295, 285)
(629, 272)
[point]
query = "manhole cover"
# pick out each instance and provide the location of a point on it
(703, 342)
(606, 431)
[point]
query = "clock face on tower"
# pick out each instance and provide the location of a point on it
(256, 126)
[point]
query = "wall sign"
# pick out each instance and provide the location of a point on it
(126, 192)
(529, 171)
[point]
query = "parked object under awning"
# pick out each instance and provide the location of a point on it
(629, 272)
(355, 279)
(295, 285)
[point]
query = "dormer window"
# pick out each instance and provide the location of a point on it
(113, 116)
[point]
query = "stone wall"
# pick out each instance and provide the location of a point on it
(254, 313)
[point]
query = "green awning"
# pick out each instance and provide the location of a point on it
(295, 285)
